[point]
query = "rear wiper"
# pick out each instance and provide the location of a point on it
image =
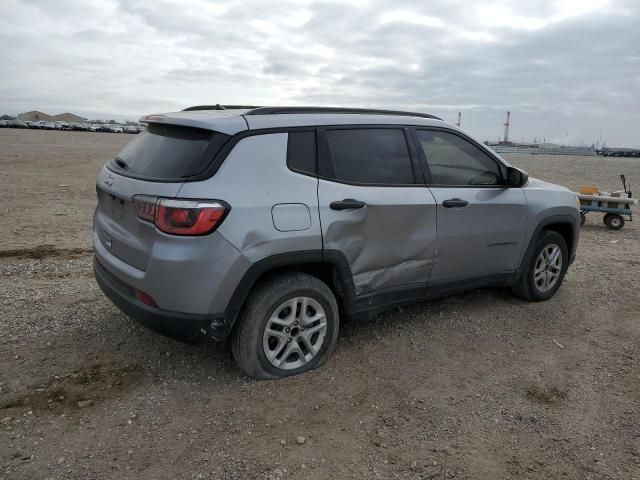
(121, 163)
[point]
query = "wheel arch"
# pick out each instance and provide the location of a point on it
(565, 225)
(329, 266)
(566, 230)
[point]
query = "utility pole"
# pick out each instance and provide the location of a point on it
(599, 144)
(459, 119)
(506, 128)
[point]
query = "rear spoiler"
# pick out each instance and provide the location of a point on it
(154, 118)
(229, 124)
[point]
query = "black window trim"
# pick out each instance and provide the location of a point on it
(324, 161)
(421, 170)
(425, 164)
(238, 137)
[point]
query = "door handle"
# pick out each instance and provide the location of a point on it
(455, 202)
(346, 204)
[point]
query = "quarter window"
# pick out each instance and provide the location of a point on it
(369, 156)
(301, 152)
(454, 161)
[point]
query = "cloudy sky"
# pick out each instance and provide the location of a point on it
(566, 69)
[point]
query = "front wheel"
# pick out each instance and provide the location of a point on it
(546, 269)
(290, 326)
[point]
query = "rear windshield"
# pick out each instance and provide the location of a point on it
(169, 152)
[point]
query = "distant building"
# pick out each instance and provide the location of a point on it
(34, 116)
(69, 118)
(37, 116)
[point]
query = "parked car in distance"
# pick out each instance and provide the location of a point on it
(130, 129)
(4, 123)
(269, 226)
(17, 124)
(111, 128)
(48, 126)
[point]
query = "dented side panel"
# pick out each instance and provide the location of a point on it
(389, 242)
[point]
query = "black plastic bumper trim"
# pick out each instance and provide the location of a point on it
(183, 326)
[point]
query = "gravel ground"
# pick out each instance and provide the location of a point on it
(480, 385)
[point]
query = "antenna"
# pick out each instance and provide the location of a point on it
(506, 128)
(459, 119)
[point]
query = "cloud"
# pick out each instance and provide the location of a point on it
(564, 68)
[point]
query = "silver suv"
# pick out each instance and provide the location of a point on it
(268, 225)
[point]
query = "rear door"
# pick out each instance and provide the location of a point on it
(481, 222)
(155, 163)
(374, 207)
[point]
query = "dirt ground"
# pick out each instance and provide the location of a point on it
(480, 385)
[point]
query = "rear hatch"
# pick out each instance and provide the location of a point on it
(155, 164)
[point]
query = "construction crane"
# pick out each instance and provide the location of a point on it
(506, 128)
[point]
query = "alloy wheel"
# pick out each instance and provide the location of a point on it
(294, 333)
(548, 267)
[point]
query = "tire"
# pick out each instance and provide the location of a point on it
(583, 218)
(613, 221)
(527, 285)
(266, 305)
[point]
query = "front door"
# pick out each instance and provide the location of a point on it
(374, 207)
(481, 222)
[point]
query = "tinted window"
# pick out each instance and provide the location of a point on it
(454, 161)
(169, 152)
(370, 156)
(301, 152)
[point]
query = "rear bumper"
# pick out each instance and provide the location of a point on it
(186, 326)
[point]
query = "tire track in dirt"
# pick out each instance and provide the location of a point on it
(83, 387)
(45, 251)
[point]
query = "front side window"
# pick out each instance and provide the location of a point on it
(454, 161)
(369, 156)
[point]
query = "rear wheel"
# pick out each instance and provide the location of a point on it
(290, 326)
(545, 271)
(613, 221)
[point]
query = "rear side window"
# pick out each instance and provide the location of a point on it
(454, 161)
(369, 156)
(301, 152)
(167, 152)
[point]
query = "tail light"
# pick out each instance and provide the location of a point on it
(145, 207)
(185, 217)
(181, 217)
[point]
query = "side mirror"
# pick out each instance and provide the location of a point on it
(516, 177)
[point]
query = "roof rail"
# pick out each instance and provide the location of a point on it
(370, 111)
(217, 106)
